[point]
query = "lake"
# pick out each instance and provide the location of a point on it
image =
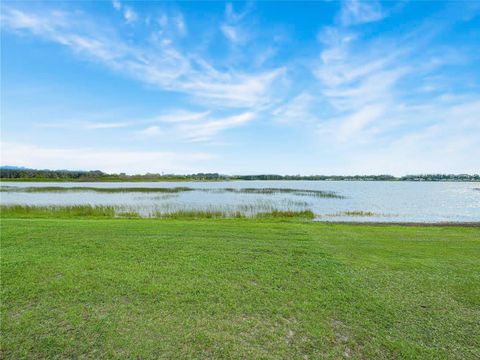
(350, 201)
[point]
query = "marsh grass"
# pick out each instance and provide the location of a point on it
(40, 189)
(306, 214)
(72, 211)
(273, 191)
(265, 191)
(198, 214)
(247, 207)
(109, 212)
(360, 213)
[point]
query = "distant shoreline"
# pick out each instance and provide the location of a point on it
(214, 180)
(29, 175)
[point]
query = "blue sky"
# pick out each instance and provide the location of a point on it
(259, 87)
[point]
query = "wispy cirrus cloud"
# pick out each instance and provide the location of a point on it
(128, 13)
(190, 126)
(297, 110)
(117, 5)
(194, 127)
(150, 131)
(356, 12)
(177, 125)
(180, 116)
(84, 125)
(231, 33)
(159, 64)
(180, 24)
(206, 130)
(374, 103)
(232, 27)
(362, 93)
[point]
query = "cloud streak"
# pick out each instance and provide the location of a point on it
(109, 160)
(208, 129)
(159, 64)
(356, 12)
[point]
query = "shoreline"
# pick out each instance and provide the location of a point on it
(404, 223)
(473, 224)
(222, 180)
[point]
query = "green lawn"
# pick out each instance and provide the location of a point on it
(237, 289)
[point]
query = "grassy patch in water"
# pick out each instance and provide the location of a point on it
(53, 211)
(360, 213)
(40, 189)
(198, 214)
(268, 191)
(357, 213)
(306, 214)
(101, 211)
(299, 192)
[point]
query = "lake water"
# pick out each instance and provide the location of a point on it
(385, 201)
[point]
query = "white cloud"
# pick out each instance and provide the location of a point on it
(177, 124)
(297, 110)
(441, 137)
(443, 147)
(180, 116)
(359, 12)
(116, 5)
(130, 15)
(377, 117)
(111, 160)
(163, 21)
(357, 121)
(105, 125)
(232, 16)
(360, 81)
(83, 125)
(180, 23)
(205, 130)
(151, 131)
(230, 33)
(233, 29)
(161, 65)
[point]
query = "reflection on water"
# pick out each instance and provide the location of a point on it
(349, 200)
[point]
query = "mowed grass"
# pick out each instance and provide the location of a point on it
(237, 289)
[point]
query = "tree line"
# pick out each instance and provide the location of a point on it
(97, 175)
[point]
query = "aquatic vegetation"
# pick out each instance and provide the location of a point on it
(161, 197)
(299, 192)
(71, 211)
(128, 214)
(40, 189)
(267, 191)
(307, 214)
(100, 211)
(360, 213)
(198, 214)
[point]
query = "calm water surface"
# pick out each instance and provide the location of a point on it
(388, 201)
